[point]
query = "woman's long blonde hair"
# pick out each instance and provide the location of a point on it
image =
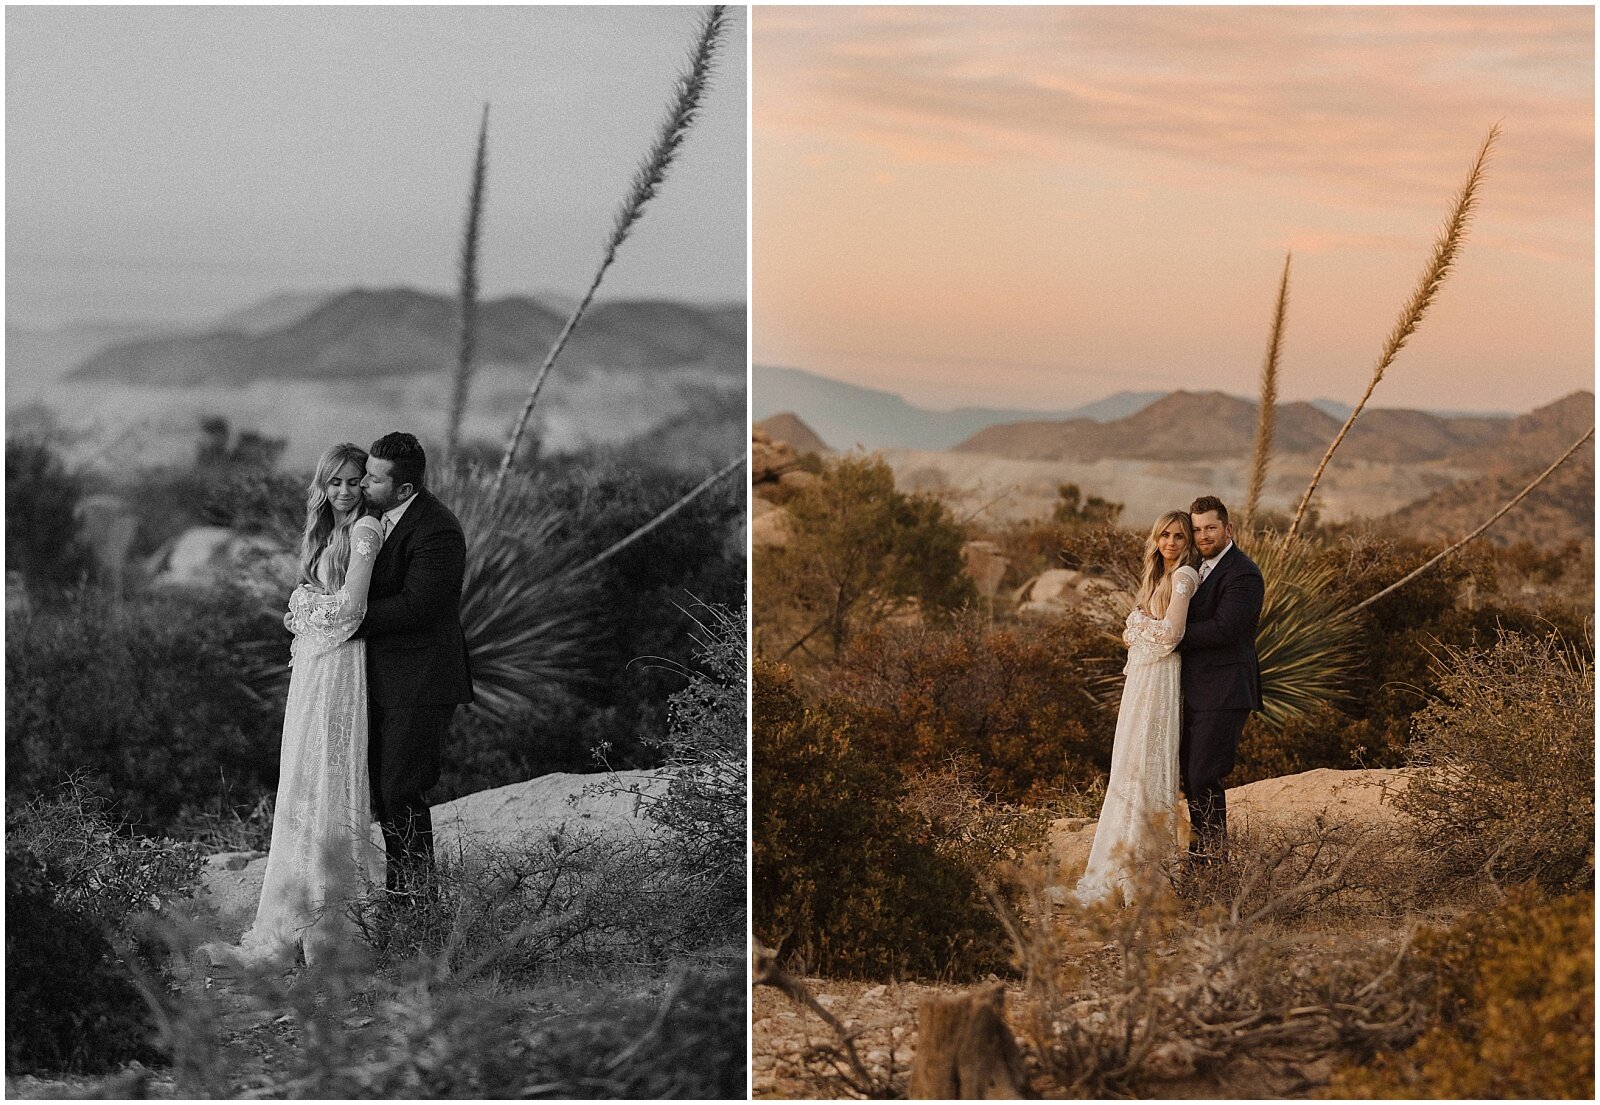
(1155, 589)
(321, 531)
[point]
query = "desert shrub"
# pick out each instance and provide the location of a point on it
(42, 532)
(146, 699)
(68, 1004)
(553, 905)
(96, 867)
(861, 552)
(1099, 550)
(1513, 1002)
(75, 883)
(1121, 998)
(1506, 751)
(846, 879)
(1023, 703)
(1074, 510)
(703, 810)
(967, 823)
(420, 1032)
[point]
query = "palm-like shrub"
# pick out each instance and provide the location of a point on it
(525, 613)
(1305, 638)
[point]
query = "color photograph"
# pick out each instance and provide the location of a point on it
(1173, 552)
(376, 570)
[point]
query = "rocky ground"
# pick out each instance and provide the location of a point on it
(795, 1054)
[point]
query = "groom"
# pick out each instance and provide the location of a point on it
(1221, 679)
(416, 653)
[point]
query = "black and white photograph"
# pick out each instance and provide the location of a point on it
(376, 647)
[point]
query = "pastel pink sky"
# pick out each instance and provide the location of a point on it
(1041, 206)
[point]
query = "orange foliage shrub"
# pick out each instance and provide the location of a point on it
(1022, 703)
(1515, 1004)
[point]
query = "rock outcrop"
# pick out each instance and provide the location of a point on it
(602, 803)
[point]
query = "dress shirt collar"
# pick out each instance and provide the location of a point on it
(1210, 562)
(391, 517)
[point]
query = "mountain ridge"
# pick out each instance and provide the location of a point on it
(366, 333)
(850, 415)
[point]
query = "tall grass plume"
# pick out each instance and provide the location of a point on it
(467, 334)
(647, 180)
(1446, 248)
(1267, 414)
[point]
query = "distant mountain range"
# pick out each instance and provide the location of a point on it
(847, 415)
(366, 334)
(1225, 426)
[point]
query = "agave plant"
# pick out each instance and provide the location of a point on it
(525, 612)
(1305, 642)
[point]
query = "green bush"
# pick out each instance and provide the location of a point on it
(147, 700)
(1015, 701)
(1514, 1009)
(861, 552)
(848, 881)
(592, 696)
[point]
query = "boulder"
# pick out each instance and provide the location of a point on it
(1338, 797)
(984, 566)
(603, 803)
(773, 527)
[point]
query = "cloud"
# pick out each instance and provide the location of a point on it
(1371, 107)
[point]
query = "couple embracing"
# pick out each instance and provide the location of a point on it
(378, 664)
(1191, 682)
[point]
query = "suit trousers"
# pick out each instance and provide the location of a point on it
(1208, 743)
(403, 755)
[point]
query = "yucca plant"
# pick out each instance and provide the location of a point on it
(526, 614)
(1305, 642)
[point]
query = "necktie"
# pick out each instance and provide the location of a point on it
(388, 525)
(1205, 568)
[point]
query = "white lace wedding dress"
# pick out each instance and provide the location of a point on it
(1138, 826)
(321, 853)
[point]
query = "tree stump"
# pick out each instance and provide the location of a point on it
(965, 1050)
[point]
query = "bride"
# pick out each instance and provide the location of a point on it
(1139, 821)
(321, 852)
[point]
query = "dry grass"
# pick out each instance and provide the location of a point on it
(1277, 959)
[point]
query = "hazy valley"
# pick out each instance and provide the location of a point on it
(1426, 474)
(320, 368)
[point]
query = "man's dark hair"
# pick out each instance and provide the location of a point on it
(404, 452)
(1200, 506)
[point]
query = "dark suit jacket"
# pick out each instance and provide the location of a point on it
(1220, 671)
(416, 652)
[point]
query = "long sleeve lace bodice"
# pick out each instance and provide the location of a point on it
(1149, 639)
(321, 621)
